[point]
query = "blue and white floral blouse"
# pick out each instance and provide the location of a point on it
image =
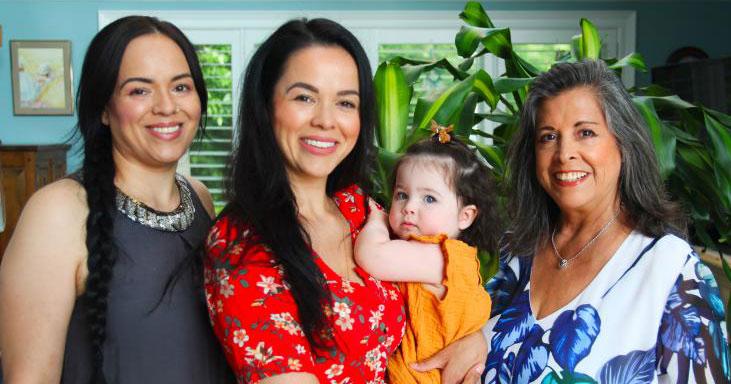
(653, 314)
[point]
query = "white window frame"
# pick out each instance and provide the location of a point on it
(247, 28)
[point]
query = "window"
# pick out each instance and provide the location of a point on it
(542, 55)
(208, 157)
(226, 39)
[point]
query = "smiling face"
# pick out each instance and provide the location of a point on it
(316, 111)
(578, 160)
(423, 203)
(155, 110)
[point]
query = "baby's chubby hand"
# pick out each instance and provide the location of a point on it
(371, 239)
(377, 215)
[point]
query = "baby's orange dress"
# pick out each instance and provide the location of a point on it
(433, 323)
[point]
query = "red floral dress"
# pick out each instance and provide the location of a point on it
(255, 317)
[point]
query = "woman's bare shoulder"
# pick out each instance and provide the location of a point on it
(63, 199)
(55, 213)
(41, 276)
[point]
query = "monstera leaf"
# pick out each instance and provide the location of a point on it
(636, 367)
(514, 324)
(572, 335)
(532, 357)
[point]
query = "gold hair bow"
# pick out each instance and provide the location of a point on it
(442, 131)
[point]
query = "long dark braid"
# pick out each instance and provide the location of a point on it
(98, 181)
(96, 87)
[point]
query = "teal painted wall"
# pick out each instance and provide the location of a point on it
(662, 26)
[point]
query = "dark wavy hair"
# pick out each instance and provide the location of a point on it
(642, 194)
(470, 179)
(98, 80)
(258, 187)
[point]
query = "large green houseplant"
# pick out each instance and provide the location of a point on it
(693, 143)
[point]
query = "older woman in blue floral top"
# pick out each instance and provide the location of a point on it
(596, 282)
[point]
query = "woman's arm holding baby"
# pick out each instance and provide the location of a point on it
(396, 260)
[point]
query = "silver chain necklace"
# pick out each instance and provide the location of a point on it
(177, 220)
(562, 262)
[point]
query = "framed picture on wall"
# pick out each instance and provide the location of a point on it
(41, 72)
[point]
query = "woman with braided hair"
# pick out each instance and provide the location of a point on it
(98, 284)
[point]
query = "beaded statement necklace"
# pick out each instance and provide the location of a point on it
(177, 220)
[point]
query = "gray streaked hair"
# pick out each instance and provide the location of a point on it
(641, 191)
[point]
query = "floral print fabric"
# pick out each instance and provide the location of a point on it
(255, 317)
(653, 314)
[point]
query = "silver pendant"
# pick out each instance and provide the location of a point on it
(563, 263)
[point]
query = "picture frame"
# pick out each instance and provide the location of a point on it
(41, 76)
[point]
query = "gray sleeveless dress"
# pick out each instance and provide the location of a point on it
(151, 337)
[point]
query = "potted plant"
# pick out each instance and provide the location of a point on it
(693, 143)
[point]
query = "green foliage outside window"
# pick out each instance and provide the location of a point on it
(208, 156)
(542, 56)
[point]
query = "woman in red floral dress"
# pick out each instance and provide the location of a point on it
(286, 299)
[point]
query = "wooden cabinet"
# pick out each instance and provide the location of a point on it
(26, 168)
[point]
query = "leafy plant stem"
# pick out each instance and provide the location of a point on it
(507, 104)
(518, 102)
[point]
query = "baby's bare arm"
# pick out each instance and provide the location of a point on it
(396, 260)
